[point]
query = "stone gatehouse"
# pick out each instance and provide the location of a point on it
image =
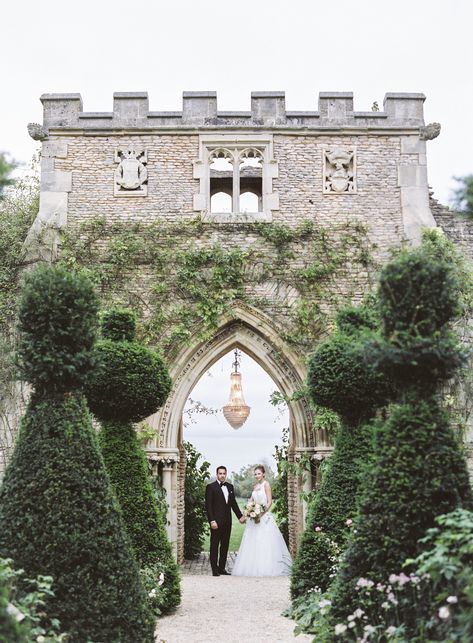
(240, 178)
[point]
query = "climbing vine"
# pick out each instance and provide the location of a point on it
(183, 278)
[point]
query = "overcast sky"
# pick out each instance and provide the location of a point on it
(302, 46)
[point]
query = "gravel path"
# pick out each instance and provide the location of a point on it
(231, 610)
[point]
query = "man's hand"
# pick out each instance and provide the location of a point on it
(242, 519)
(213, 525)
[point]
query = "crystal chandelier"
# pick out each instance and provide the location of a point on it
(236, 412)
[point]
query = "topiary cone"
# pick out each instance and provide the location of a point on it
(129, 383)
(58, 515)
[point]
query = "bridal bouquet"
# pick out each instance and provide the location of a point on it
(254, 510)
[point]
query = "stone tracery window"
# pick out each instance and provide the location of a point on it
(236, 180)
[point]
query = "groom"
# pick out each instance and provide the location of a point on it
(219, 500)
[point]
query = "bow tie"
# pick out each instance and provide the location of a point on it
(222, 484)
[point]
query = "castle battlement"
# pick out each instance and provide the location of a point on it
(199, 111)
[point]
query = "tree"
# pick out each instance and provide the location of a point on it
(58, 516)
(195, 515)
(244, 481)
(129, 383)
(6, 168)
(462, 197)
(418, 471)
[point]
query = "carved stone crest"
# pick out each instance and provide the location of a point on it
(339, 171)
(429, 132)
(131, 175)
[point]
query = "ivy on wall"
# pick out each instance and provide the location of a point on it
(181, 281)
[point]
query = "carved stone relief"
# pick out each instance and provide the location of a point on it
(339, 171)
(131, 175)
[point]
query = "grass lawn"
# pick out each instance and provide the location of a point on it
(237, 531)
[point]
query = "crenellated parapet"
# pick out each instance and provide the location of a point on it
(200, 110)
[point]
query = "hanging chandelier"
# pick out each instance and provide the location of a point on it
(236, 412)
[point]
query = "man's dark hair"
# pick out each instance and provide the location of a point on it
(221, 467)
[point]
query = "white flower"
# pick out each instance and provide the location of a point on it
(318, 529)
(358, 613)
(369, 629)
(340, 628)
(351, 624)
(325, 603)
(152, 593)
(364, 582)
(391, 630)
(385, 605)
(40, 639)
(452, 599)
(15, 612)
(161, 579)
(444, 612)
(351, 618)
(349, 522)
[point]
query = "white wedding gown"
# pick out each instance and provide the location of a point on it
(263, 550)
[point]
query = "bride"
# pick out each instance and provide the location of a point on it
(263, 551)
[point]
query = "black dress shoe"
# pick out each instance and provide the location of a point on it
(215, 573)
(224, 573)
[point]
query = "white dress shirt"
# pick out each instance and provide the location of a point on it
(224, 488)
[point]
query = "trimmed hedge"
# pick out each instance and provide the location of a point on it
(419, 470)
(341, 379)
(195, 515)
(129, 383)
(126, 464)
(58, 516)
(333, 504)
(54, 347)
(419, 473)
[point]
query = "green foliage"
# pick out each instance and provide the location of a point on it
(126, 464)
(6, 168)
(418, 294)
(193, 289)
(118, 325)
(419, 473)
(448, 562)
(462, 197)
(280, 485)
(153, 577)
(58, 518)
(341, 378)
(22, 603)
(57, 318)
(244, 481)
(195, 516)
(331, 510)
(129, 382)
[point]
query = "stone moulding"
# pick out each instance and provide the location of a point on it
(268, 110)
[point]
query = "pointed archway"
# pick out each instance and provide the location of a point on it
(254, 333)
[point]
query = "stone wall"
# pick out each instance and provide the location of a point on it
(330, 166)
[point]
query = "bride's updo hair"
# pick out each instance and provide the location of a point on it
(261, 468)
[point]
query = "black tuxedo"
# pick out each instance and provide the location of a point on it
(220, 511)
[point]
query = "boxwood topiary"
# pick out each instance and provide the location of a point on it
(58, 516)
(129, 383)
(341, 379)
(419, 471)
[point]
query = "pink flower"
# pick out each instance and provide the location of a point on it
(318, 529)
(349, 522)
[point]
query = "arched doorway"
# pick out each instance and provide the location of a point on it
(252, 332)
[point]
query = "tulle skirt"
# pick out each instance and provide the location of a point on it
(263, 550)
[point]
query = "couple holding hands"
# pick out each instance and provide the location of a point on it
(263, 550)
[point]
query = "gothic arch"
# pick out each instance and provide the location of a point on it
(254, 333)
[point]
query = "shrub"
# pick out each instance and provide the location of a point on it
(341, 379)
(129, 383)
(58, 516)
(419, 471)
(195, 515)
(331, 511)
(280, 486)
(22, 601)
